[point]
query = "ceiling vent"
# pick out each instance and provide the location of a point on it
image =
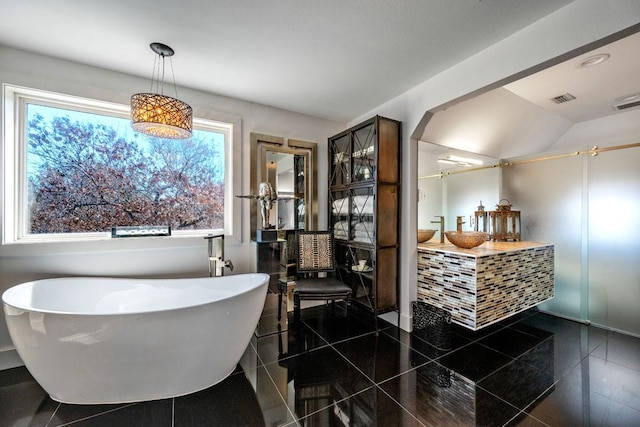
(627, 101)
(626, 105)
(563, 98)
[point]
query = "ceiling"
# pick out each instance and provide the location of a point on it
(521, 118)
(335, 59)
(595, 87)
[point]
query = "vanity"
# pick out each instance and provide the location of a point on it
(488, 283)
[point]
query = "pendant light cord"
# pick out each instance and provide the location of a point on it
(153, 72)
(159, 79)
(175, 87)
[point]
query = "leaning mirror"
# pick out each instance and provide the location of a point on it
(289, 168)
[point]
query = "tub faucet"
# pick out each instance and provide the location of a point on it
(441, 222)
(459, 223)
(217, 263)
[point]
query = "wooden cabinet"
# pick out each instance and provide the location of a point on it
(364, 202)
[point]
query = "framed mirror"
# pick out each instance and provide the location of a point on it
(291, 170)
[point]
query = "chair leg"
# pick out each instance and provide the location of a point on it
(296, 306)
(279, 303)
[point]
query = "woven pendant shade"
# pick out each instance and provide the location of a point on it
(161, 116)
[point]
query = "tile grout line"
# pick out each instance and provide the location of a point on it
(99, 415)
(263, 366)
(54, 413)
(398, 403)
(173, 412)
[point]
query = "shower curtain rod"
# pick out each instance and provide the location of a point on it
(593, 151)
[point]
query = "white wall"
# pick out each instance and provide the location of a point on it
(172, 257)
(575, 25)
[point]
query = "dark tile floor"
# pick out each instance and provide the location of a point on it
(327, 370)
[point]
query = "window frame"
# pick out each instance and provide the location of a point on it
(14, 150)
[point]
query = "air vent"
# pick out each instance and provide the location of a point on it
(626, 105)
(563, 98)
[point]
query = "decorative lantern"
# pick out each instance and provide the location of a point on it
(481, 219)
(504, 223)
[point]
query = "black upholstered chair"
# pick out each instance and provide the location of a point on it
(315, 254)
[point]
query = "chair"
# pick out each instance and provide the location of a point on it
(315, 255)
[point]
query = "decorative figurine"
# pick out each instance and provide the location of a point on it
(266, 196)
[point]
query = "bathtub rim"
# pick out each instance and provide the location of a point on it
(258, 284)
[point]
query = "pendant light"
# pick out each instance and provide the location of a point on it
(156, 114)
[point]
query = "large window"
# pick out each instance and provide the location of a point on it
(74, 168)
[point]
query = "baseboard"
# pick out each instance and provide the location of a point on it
(589, 323)
(391, 317)
(9, 359)
(406, 322)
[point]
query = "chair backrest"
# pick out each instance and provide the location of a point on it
(315, 251)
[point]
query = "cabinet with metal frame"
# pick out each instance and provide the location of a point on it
(364, 210)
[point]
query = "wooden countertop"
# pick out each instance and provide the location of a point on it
(485, 249)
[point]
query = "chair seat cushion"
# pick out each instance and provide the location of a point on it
(321, 286)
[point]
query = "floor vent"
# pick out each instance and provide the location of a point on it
(563, 98)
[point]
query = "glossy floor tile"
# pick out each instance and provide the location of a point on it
(333, 369)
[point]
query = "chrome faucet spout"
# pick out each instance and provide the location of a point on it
(441, 222)
(217, 263)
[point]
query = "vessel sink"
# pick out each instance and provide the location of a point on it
(466, 239)
(424, 235)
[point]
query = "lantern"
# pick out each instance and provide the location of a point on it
(480, 219)
(504, 223)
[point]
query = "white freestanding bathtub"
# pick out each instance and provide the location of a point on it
(99, 340)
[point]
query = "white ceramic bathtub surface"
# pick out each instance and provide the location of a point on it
(99, 340)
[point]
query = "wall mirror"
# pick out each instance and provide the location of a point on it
(291, 170)
(452, 183)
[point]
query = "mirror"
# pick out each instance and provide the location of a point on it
(452, 183)
(291, 170)
(286, 172)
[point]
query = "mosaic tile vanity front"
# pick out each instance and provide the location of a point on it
(486, 284)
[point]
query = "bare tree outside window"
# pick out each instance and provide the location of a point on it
(87, 172)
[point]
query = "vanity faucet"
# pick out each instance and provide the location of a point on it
(459, 223)
(217, 263)
(441, 222)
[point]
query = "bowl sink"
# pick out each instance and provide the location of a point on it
(424, 235)
(466, 239)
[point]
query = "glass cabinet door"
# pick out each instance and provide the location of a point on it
(340, 158)
(357, 269)
(352, 215)
(362, 219)
(363, 154)
(340, 212)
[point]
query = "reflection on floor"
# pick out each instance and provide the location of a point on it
(327, 370)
